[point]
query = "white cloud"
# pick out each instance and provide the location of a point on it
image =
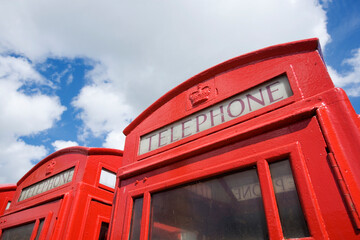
(104, 110)
(60, 144)
(142, 49)
(149, 47)
(115, 139)
(22, 114)
(16, 159)
(350, 80)
(142, 58)
(19, 71)
(70, 79)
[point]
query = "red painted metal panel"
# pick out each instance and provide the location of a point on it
(71, 178)
(256, 57)
(302, 66)
(7, 192)
(97, 214)
(313, 125)
(307, 159)
(47, 212)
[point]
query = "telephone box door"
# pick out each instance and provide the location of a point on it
(97, 222)
(274, 185)
(35, 223)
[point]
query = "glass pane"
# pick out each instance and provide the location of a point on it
(228, 207)
(107, 178)
(136, 219)
(104, 231)
(22, 232)
(8, 205)
(291, 216)
(39, 229)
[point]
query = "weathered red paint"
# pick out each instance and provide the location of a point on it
(7, 192)
(70, 210)
(316, 129)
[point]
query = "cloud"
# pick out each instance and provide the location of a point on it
(23, 113)
(60, 144)
(16, 158)
(103, 110)
(349, 80)
(170, 42)
(139, 49)
(145, 57)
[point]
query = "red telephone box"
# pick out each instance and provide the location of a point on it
(262, 146)
(6, 194)
(68, 195)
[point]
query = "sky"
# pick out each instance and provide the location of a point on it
(78, 72)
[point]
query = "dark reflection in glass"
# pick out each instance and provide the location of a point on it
(228, 207)
(22, 232)
(136, 219)
(291, 216)
(41, 223)
(104, 231)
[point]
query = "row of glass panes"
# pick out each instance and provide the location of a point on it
(227, 207)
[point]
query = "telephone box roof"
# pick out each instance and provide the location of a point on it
(275, 51)
(7, 187)
(73, 150)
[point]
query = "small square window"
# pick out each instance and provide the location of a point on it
(107, 178)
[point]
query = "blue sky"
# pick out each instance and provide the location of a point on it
(344, 28)
(77, 72)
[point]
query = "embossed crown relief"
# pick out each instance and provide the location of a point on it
(50, 167)
(201, 95)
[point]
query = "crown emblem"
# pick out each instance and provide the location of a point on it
(201, 95)
(50, 167)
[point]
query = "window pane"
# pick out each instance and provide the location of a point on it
(8, 205)
(228, 207)
(41, 223)
(136, 219)
(104, 231)
(291, 215)
(22, 232)
(107, 178)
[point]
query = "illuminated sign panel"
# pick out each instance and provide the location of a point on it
(47, 184)
(239, 105)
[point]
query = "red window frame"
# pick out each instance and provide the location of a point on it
(108, 168)
(291, 151)
(35, 215)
